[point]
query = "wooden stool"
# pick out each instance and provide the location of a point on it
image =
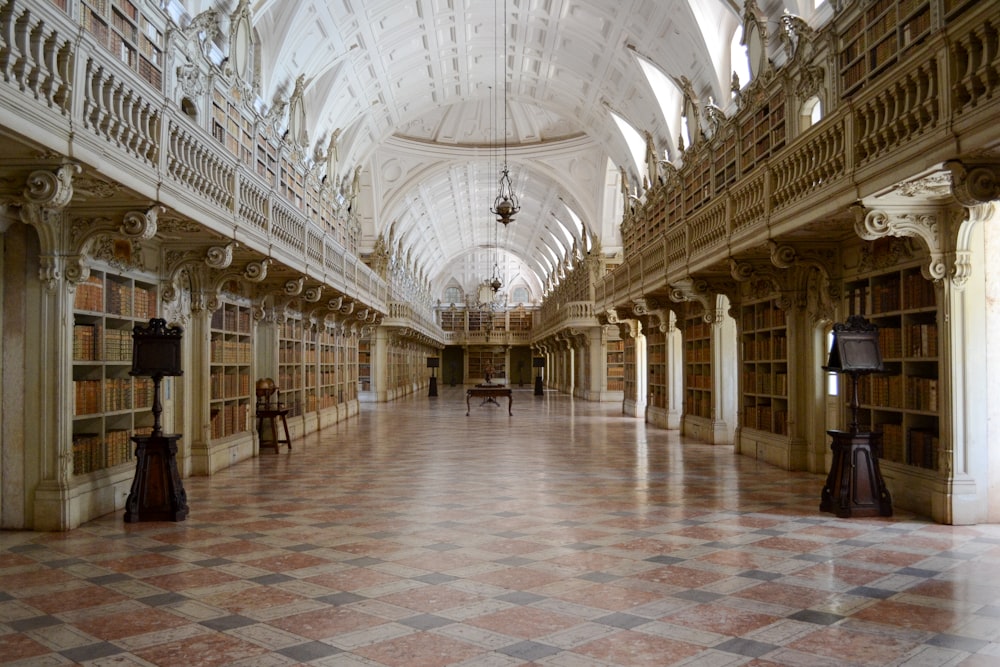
(273, 439)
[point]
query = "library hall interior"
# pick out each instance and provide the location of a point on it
(580, 333)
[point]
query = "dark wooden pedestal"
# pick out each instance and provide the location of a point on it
(855, 486)
(157, 493)
(538, 386)
(433, 389)
(267, 428)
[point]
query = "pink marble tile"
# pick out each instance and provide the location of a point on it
(127, 624)
(206, 650)
(636, 649)
(324, 623)
(854, 648)
(524, 622)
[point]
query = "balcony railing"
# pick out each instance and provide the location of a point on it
(63, 90)
(913, 119)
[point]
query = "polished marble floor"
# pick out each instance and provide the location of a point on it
(565, 535)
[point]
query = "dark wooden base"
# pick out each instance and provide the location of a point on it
(157, 493)
(538, 386)
(855, 486)
(433, 389)
(267, 428)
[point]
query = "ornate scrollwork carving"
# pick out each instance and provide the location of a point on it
(697, 290)
(974, 184)
(294, 286)
(313, 294)
(875, 224)
(140, 224)
(51, 190)
(256, 271)
(219, 256)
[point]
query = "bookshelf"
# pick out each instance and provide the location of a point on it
(453, 320)
(630, 385)
(348, 366)
(656, 354)
(481, 358)
(331, 373)
(764, 367)
(291, 357)
(697, 364)
(876, 38)
(903, 403)
(109, 406)
(762, 133)
(616, 365)
(520, 320)
(310, 369)
(119, 27)
(364, 365)
(229, 369)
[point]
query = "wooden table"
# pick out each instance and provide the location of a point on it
(489, 393)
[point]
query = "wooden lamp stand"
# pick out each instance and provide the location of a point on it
(157, 493)
(854, 486)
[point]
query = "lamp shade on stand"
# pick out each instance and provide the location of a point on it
(539, 363)
(433, 363)
(854, 486)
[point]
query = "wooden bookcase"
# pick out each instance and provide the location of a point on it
(481, 358)
(630, 385)
(310, 369)
(874, 40)
(697, 364)
(764, 367)
(762, 133)
(118, 26)
(364, 365)
(656, 356)
(348, 366)
(109, 406)
(520, 320)
(291, 357)
(232, 129)
(331, 373)
(903, 403)
(616, 365)
(232, 391)
(453, 320)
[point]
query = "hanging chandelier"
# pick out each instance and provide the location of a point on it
(505, 206)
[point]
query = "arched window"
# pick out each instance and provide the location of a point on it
(519, 295)
(811, 112)
(453, 295)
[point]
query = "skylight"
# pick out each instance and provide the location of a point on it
(636, 144)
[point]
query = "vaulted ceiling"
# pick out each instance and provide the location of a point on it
(429, 95)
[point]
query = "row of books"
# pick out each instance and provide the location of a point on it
(93, 452)
(231, 318)
(919, 446)
(763, 318)
(115, 298)
(698, 404)
(695, 353)
(898, 391)
(230, 419)
(229, 385)
(698, 381)
(231, 351)
(111, 395)
(766, 418)
(765, 383)
(765, 348)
